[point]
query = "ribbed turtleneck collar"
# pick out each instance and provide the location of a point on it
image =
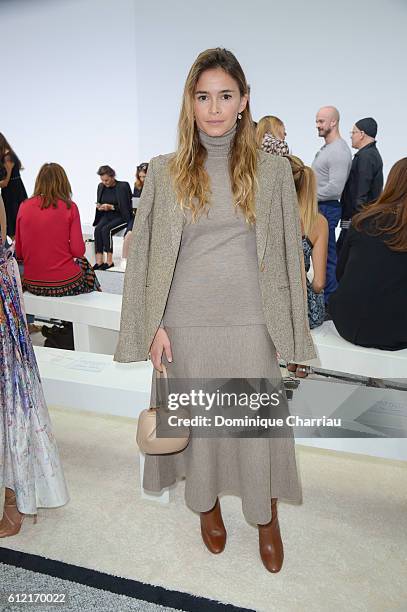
(218, 146)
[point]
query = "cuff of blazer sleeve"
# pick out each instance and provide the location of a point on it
(306, 352)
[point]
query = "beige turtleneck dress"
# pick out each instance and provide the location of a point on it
(215, 322)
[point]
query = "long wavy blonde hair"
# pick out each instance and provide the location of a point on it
(190, 179)
(306, 187)
(269, 124)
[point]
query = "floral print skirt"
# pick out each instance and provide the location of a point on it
(29, 458)
(85, 282)
(316, 301)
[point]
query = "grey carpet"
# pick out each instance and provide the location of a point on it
(80, 598)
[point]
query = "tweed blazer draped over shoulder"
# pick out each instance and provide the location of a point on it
(154, 249)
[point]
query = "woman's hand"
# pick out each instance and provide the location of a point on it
(160, 344)
(317, 287)
(104, 207)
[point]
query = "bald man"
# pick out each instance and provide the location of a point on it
(331, 165)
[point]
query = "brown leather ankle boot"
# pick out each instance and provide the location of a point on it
(213, 530)
(270, 544)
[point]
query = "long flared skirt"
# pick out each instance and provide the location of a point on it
(255, 469)
(29, 458)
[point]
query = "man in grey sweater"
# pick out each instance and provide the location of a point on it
(331, 165)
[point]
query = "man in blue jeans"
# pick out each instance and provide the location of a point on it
(331, 165)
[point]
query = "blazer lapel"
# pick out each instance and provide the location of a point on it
(263, 198)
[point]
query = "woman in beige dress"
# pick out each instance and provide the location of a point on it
(214, 287)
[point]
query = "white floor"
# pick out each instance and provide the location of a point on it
(345, 546)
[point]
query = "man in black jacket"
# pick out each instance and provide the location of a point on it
(365, 180)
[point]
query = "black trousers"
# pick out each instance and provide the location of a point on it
(110, 224)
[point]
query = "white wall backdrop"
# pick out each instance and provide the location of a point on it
(297, 57)
(86, 82)
(68, 89)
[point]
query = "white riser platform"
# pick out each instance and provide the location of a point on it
(83, 381)
(94, 382)
(373, 408)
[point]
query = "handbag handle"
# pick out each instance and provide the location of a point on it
(162, 375)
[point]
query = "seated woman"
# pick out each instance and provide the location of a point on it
(50, 245)
(49, 239)
(315, 232)
(141, 174)
(270, 135)
(113, 213)
(370, 304)
(30, 467)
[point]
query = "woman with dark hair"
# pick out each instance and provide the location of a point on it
(113, 213)
(370, 304)
(30, 467)
(12, 187)
(214, 287)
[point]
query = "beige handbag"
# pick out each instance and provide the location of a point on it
(146, 436)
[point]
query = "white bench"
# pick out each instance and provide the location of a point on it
(338, 355)
(95, 317)
(94, 382)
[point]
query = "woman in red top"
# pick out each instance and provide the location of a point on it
(49, 239)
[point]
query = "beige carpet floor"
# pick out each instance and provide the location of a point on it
(345, 546)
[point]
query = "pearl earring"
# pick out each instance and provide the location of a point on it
(239, 116)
